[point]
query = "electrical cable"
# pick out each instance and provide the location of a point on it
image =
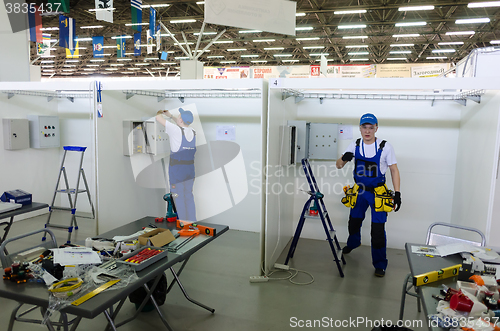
(291, 276)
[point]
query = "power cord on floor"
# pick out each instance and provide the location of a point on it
(292, 273)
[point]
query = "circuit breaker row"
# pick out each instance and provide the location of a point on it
(36, 132)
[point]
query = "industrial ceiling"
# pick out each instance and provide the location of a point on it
(347, 32)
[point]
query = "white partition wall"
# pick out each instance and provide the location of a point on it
(231, 194)
(435, 143)
(36, 170)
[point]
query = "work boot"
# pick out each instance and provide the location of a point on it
(346, 250)
(379, 272)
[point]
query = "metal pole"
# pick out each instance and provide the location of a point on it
(210, 44)
(199, 38)
(175, 40)
(187, 46)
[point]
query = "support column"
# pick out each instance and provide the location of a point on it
(191, 69)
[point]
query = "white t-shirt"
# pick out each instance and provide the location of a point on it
(386, 159)
(175, 135)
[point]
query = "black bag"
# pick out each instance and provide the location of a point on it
(159, 294)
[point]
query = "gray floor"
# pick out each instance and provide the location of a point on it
(219, 277)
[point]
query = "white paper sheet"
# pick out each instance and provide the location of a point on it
(75, 255)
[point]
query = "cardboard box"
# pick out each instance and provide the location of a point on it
(156, 238)
(17, 196)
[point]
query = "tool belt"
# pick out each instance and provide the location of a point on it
(384, 199)
(351, 195)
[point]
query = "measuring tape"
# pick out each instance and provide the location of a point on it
(95, 292)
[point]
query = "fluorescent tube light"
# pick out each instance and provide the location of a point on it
(83, 39)
(134, 24)
(312, 47)
(227, 62)
(223, 42)
(358, 53)
(183, 21)
(92, 27)
(359, 59)
(472, 20)
(204, 33)
(304, 28)
(436, 57)
(259, 61)
(49, 29)
(124, 59)
(215, 57)
(249, 31)
(343, 12)
(250, 55)
(309, 38)
(354, 26)
(413, 8)
(443, 51)
(406, 35)
(300, 14)
(495, 42)
(141, 64)
(291, 61)
(97, 60)
(484, 4)
(402, 45)
(459, 33)
(401, 24)
(319, 54)
(282, 55)
(236, 49)
(180, 58)
(274, 48)
(354, 37)
(263, 40)
(451, 43)
(396, 58)
(122, 37)
(356, 46)
(400, 52)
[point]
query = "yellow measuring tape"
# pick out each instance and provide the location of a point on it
(94, 292)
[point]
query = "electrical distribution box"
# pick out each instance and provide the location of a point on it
(16, 134)
(146, 137)
(44, 131)
(315, 140)
(323, 141)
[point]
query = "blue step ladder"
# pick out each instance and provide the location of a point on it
(72, 193)
(316, 197)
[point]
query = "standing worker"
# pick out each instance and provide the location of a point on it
(181, 167)
(372, 157)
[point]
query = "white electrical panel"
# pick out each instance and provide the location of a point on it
(146, 137)
(16, 134)
(323, 141)
(44, 131)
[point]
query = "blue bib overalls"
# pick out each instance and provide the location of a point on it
(181, 174)
(368, 176)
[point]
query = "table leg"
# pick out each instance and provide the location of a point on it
(115, 313)
(186, 295)
(110, 320)
(178, 274)
(6, 231)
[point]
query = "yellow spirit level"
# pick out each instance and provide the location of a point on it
(433, 276)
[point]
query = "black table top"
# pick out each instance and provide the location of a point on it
(37, 294)
(24, 209)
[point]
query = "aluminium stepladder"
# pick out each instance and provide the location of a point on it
(72, 193)
(316, 197)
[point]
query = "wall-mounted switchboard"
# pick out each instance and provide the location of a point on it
(316, 141)
(44, 131)
(145, 136)
(16, 133)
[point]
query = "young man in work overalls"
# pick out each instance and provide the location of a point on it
(372, 157)
(181, 168)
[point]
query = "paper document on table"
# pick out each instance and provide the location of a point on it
(424, 250)
(479, 252)
(75, 255)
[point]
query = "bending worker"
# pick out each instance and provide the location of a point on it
(181, 168)
(372, 157)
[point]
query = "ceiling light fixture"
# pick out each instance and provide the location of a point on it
(472, 20)
(354, 37)
(250, 31)
(484, 4)
(343, 12)
(274, 48)
(400, 52)
(358, 53)
(459, 33)
(402, 24)
(354, 26)
(356, 46)
(121, 37)
(451, 43)
(263, 40)
(305, 39)
(443, 50)
(300, 14)
(402, 45)
(236, 49)
(183, 21)
(396, 58)
(408, 35)
(223, 42)
(304, 28)
(313, 47)
(282, 55)
(495, 42)
(92, 27)
(291, 61)
(250, 55)
(215, 57)
(134, 24)
(258, 61)
(413, 8)
(227, 62)
(436, 57)
(319, 54)
(49, 29)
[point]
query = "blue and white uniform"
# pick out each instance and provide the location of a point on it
(370, 165)
(181, 169)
